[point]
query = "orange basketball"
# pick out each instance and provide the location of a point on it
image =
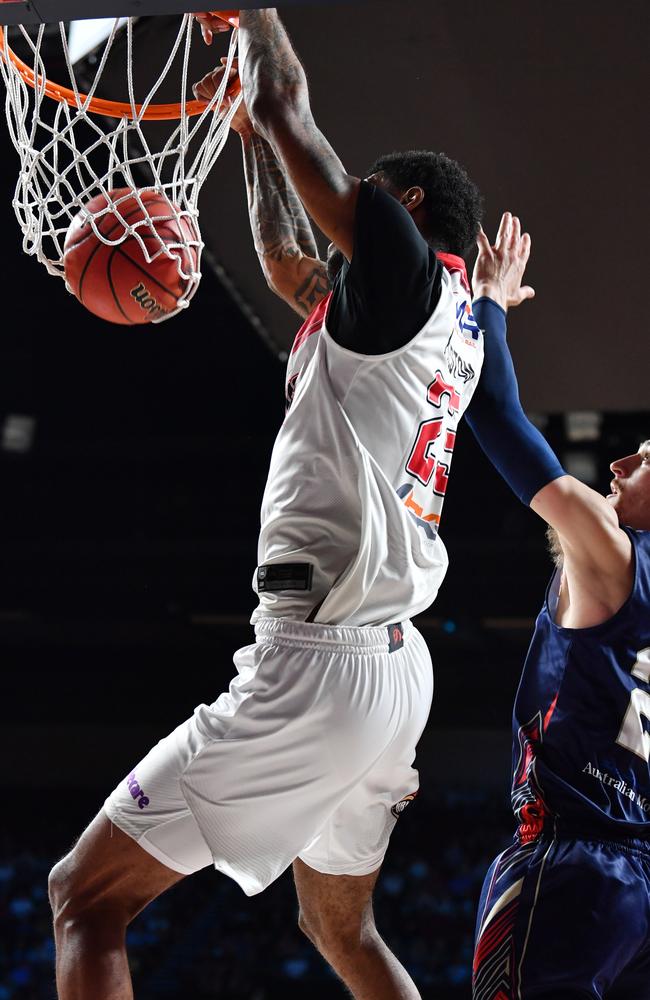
(118, 283)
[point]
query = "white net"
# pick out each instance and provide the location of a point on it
(70, 153)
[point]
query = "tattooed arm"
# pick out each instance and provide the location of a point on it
(282, 233)
(276, 92)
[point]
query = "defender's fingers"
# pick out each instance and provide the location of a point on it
(525, 246)
(504, 228)
(515, 233)
(483, 242)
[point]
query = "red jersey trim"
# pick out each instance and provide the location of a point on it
(313, 323)
(316, 318)
(455, 264)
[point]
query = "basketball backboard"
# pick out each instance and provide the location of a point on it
(47, 11)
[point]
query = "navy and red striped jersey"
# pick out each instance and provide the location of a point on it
(581, 720)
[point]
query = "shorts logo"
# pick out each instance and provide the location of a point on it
(395, 636)
(400, 806)
(136, 791)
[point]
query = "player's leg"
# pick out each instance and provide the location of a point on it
(564, 921)
(336, 872)
(336, 915)
(95, 891)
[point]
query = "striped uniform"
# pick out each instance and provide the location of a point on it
(565, 911)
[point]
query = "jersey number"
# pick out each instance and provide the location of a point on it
(422, 464)
(633, 735)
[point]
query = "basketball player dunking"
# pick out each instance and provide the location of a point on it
(307, 759)
(565, 911)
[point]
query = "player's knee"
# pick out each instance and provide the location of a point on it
(76, 901)
(63, 891)
(305, 926)
(333, 938)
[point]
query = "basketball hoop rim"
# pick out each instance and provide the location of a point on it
(115, 109)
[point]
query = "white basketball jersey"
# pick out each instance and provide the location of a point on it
(360, 467)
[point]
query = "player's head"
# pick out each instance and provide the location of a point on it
(630, 496)
(445, 204)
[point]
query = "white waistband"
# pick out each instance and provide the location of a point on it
(376, 637)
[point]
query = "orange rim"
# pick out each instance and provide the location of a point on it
(116, 109)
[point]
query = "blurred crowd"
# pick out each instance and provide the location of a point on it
(206, 939)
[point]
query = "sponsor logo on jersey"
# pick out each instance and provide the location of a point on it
(136, 792)
(618, 784)
(458, 367)
(400, 806)
(290, 391)
(466, 323)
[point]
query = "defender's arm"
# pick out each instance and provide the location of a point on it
(597, 552)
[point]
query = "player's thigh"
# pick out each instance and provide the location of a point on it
(107, 869)
(588, 917)
(551, 922)
(333, 906)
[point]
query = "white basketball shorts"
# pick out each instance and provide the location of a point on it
(309, 754)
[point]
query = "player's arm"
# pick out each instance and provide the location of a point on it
(275, 89)
(597, 551)
(282, 233)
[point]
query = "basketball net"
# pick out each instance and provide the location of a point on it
(71, 150)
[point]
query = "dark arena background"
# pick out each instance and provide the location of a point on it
(132, 464)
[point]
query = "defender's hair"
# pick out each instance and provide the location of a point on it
(452, 202)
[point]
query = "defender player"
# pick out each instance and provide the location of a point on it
(565, 911)
(307, 759)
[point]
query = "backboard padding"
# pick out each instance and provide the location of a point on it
(49, 11)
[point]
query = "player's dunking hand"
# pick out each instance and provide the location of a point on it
(206, 88)
(211, 25)
(499, 269)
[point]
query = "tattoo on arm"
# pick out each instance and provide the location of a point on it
(279, 222)
(269, 62)
(313, 289)
(281, 228)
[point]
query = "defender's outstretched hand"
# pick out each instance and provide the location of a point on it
(499, 269)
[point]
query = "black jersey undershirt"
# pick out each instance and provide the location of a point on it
(383, 298)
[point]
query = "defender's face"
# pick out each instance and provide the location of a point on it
(630, 496)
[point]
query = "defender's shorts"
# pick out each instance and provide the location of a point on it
(308, 754)
(565, 918)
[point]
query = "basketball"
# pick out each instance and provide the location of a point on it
(117, 282)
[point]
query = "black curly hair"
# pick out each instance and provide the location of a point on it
(452, 201)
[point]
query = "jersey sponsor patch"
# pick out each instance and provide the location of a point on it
(284, 576)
